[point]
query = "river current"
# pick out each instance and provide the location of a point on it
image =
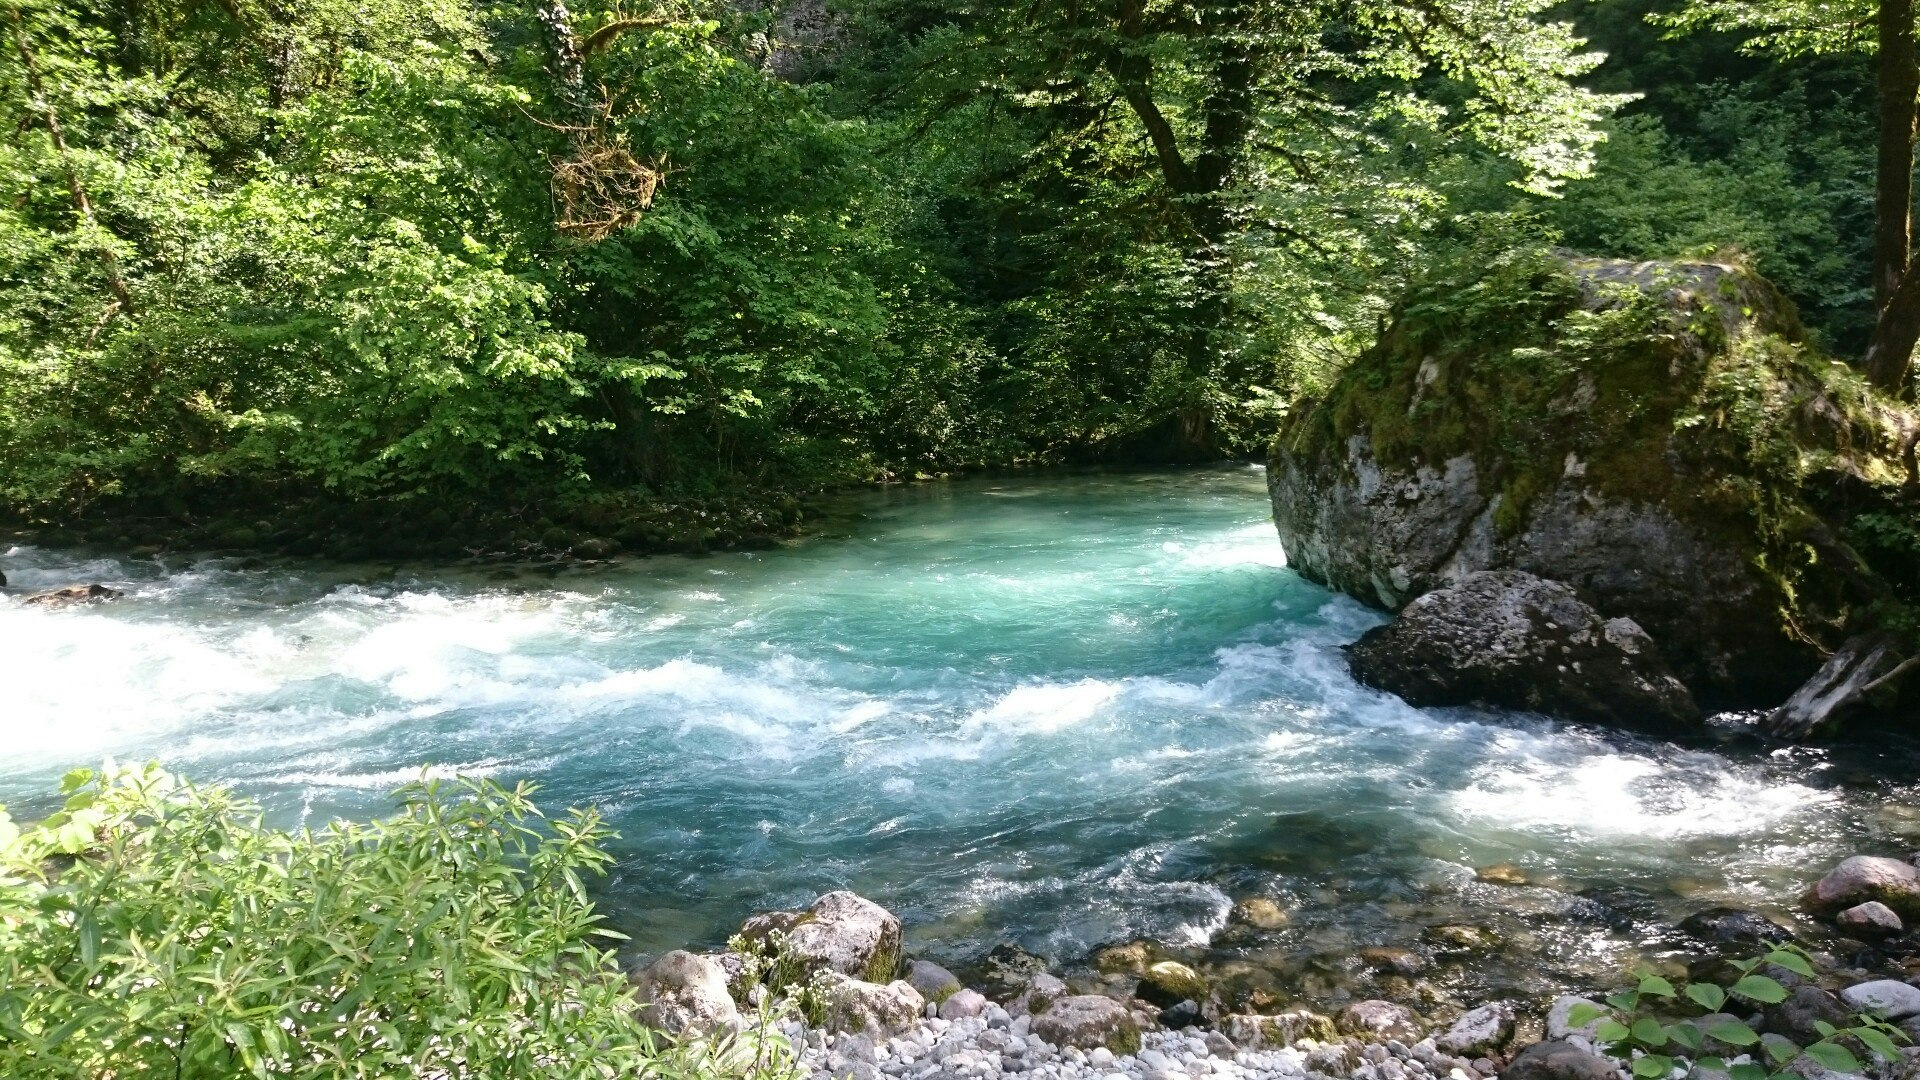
(1058, 712)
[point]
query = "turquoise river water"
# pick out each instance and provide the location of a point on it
(1058, 712)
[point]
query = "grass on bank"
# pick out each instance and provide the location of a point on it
(152, 928)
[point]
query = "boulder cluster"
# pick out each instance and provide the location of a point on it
(835, 984)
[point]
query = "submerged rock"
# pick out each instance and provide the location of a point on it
(841, 931)
(1512, 640)
(685, 993)
(1575, 419)
(1260, 913)
(71, 595)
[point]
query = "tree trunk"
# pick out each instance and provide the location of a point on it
(82, 205)
(1895, 288)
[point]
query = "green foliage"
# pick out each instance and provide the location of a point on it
(1648, 1030)
(154, 928)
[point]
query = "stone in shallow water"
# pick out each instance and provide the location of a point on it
(1732, 926)
(1260, 913)
(1866, 877)
(1508, 639)
(1871, 920)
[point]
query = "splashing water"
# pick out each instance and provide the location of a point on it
(1059, 711)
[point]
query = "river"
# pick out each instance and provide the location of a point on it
(1054, 711)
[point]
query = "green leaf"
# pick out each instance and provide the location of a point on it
(1747, 1072)
(1733, 1033)
(1653, 1067)
(1760, 988)
(1826, 1030)
(1648, 1032)
(1611, 1031)
(1877, 1042)
(1779, 1048)
(1584, 1013)
(1686, 1034)
(1792, 961)
(1707, 996)
(1834, 1056)
(1626, 1001)
(1655, 986)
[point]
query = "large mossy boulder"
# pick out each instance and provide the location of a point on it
(1656, 435)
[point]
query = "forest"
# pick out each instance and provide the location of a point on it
(388, 255)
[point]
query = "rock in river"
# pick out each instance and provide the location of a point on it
(1870, 920)
(71, 595)
(1509, 639)
(1866, 877)
(1887, 998)
(1568, 417)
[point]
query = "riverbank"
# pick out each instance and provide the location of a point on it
(828, 973)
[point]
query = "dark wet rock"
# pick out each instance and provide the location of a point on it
(1559, 1061)
(934, 982)
(71, 595)
(1733, 926)
(1509, 639)
(1472, 438)
(1169, 982)
(841, 931)
(1799, 1016)
(1179, 1015)
(685, 993)
(1088, 1021)
(1254, 1031)
(1379, 1020)
(1883, 997)
(1479, 1031)
(1007, 969)
(1871, 920)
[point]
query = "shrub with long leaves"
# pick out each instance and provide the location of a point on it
(156, 928)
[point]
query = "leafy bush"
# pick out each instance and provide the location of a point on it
(155, 928)
(1646, 1031)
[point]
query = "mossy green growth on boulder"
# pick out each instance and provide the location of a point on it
(1654, 434)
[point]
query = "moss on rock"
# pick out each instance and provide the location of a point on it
(1653, 433)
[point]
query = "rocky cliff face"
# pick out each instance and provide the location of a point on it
(1651, 434)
